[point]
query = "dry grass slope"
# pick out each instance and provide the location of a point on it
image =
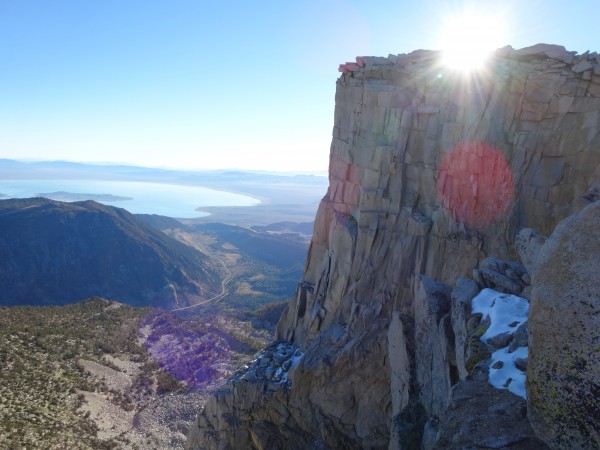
(104, 375)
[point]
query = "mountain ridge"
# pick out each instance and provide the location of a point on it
(57, 253)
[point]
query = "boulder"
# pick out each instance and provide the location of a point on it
(500, 340)
(520, 338)
(529, 243)
(563, 381)
(500, 282)
(521, 364)
(592, 195)
(482, 417)
(557, 52)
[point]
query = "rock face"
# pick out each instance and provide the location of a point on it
(56, 253)
(481, 417)
(430, 173)
(434, 351)
(564, 335)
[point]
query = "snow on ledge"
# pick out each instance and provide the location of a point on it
(506, 313)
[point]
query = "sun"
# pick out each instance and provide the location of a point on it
(468, 39)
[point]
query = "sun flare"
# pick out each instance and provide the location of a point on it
(469, 39)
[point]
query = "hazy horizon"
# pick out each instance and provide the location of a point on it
(100, 164)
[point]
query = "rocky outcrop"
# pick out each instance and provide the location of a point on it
(430, 173)
(564, 335)
(434, 349)
(462, 322)
(482, 411)
(481, 417)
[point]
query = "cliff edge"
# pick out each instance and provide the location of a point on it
(431, 172)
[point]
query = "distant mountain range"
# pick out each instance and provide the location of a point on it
(57, 253)
(284, 196)
(25, 170)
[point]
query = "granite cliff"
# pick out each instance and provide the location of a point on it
(432, 173)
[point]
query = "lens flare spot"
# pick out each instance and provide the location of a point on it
(475, 183)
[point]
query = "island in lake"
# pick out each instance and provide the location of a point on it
(75, 197)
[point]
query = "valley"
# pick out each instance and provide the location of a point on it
(100, 373)
(258, 267)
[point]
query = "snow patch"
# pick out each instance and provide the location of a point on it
(500, 377)
(506, 312)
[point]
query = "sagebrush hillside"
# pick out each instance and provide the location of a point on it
(105, 375)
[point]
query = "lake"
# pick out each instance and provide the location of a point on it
(135, 196)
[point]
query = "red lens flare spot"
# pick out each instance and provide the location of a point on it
(475, 183)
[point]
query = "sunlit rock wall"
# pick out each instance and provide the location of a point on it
(396, 119)
(430, 171)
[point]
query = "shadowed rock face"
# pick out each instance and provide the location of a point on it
(482, 417)
(56, 253)
(395, 209)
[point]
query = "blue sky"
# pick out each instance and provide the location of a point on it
(216, 84)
